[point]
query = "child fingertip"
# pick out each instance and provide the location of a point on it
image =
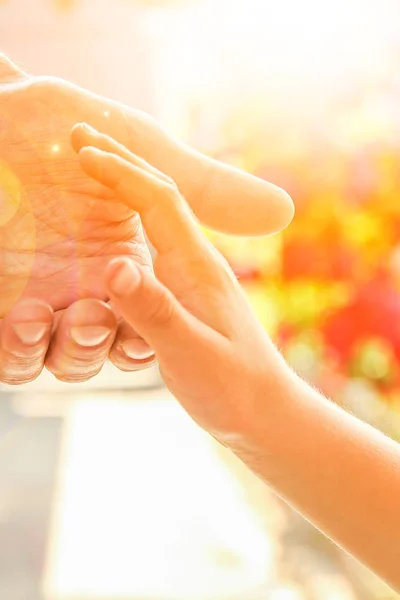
(88, 151)
(79, 132)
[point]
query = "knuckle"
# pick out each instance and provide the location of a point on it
(146, 365)
(121, 179)
(21, 363)
(171, 193)
(211, 268)
(75, 377)
(20, 354)
(20, 376)
(161, 313)
(75, 366)
(48, 90)
(84, 356)
(18, 380)
(222, 269)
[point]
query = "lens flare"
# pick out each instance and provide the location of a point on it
(17, 239)
(10, 194)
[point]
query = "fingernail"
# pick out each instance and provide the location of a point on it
(88, 128)
(136, 349)
(30, 333)
(89, 335)
(125, 278)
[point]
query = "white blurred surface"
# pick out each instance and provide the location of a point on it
(146, 509)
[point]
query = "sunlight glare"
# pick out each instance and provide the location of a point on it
(297, 53)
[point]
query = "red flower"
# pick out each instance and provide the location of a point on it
(374, 312)
(316, 260)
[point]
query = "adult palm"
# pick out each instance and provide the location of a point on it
(58, 229)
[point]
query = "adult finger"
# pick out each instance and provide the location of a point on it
(24, 338)
(221, 197)
(130, 352)
(82, 341)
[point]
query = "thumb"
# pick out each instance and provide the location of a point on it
(9, 71)
(151, 309)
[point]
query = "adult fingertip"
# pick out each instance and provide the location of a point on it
(122, 277)
(287, 211)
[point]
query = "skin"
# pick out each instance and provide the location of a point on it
(59, 230)
(341, 474)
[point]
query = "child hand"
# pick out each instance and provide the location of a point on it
(213, 353)
(338, 472)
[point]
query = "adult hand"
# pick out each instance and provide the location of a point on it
(58, 228)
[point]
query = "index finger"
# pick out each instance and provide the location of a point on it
(166, 217)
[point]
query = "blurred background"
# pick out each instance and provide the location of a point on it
(107, 490)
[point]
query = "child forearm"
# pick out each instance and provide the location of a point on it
(340, 473)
